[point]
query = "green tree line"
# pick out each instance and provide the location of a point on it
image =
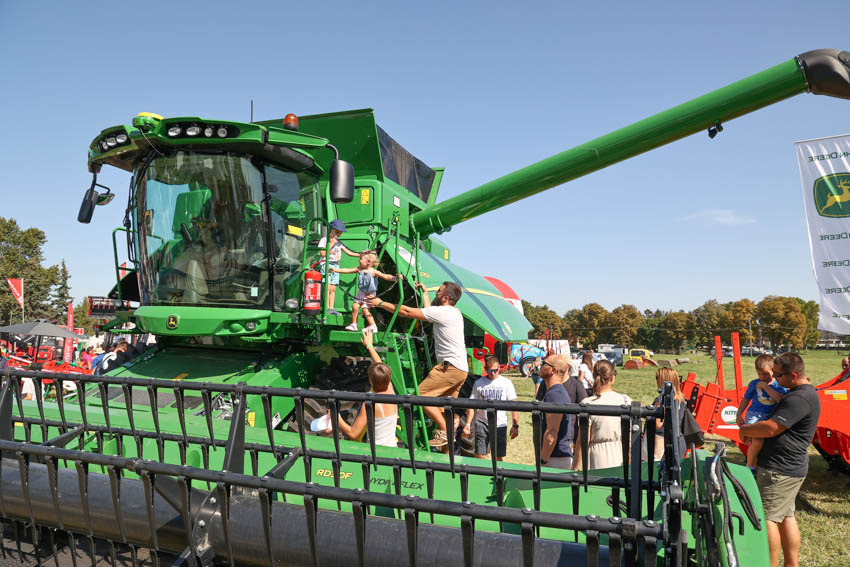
(775, 320)
(46, 288)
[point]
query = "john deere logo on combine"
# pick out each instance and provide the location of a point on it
(171, 323)
(832, 195)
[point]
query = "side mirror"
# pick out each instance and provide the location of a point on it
(341, 188)
(87, 206)
(93, 198)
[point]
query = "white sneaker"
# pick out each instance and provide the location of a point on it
(352, 327)
(372, 328)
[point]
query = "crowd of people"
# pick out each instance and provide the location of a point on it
(108, 356)
(777, 417)
(558, 379)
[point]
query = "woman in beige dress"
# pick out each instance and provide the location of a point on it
(604, 448)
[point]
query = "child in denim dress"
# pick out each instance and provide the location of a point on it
(367, 287)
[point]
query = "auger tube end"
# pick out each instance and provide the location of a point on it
(827, 71)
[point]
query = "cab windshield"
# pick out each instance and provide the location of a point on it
(208, 236)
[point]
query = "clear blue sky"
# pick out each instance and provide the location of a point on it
(481, 89)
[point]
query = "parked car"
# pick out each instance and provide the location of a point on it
(639, 353)
(621, 351)
(614, 358)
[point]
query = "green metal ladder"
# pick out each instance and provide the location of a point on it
(400, 355)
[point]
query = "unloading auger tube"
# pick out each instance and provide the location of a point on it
(823, 71)
(125, 493)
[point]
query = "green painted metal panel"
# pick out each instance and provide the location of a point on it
(355, 135)
(192, 321)
(481, 303)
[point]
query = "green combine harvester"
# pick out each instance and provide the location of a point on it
(199, 451)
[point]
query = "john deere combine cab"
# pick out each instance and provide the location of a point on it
(199, 450)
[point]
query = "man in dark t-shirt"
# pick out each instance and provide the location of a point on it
(784, 461)
(577, 393)
(556, 450)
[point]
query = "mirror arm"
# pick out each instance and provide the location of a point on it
(336, 151)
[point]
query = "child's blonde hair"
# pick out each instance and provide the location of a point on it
(764, 362)
(374, 261)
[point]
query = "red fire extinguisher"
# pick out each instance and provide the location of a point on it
(312, 303)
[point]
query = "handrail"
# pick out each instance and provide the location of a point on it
(115, 258)
(304, 266)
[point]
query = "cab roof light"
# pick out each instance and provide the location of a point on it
(290, 122)
(112, 140)
(200, 130)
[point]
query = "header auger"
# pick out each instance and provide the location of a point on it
(199, 448)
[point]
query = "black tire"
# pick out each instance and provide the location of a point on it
(526, 365)
(347, 374)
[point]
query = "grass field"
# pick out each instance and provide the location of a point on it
(824, 517)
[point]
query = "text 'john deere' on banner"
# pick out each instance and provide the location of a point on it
(825, 174)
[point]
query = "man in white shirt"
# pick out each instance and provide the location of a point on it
(492, 386)
(446, 378)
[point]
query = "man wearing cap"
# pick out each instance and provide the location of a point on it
(334, 252)
(447, 377)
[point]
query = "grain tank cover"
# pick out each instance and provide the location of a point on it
(370, 149)
(481, 302)
(404, 168)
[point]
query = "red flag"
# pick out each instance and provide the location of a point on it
(17, 286)
(123, 271)
(68, 349)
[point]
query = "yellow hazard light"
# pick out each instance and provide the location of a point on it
(150, 115)
(294, 230)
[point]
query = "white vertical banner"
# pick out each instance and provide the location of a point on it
(825, 175)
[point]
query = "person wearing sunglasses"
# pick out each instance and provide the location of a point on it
(575, 389)
(556, 450)
(492, 386)
(783, 462)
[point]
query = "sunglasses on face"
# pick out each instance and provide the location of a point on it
(492, 370)
(552, 366)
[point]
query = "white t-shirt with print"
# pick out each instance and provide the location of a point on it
(499, 388)
(335, 252)
(448, 334)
